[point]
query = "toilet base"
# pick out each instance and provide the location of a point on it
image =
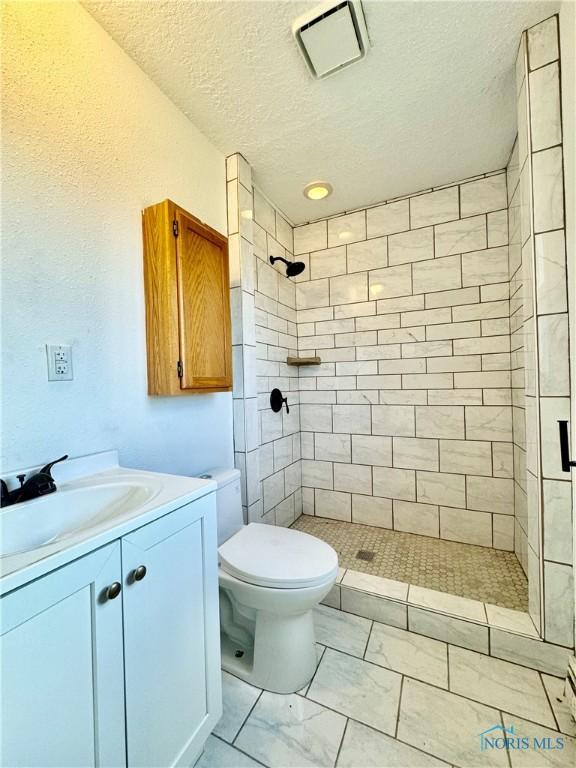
(283, 657)
(268, 633)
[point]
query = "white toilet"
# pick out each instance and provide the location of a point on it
(270, 580)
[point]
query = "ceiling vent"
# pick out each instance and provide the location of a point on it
(332, 36)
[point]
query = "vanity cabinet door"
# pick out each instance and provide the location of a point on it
(171, 636)
(62, 667)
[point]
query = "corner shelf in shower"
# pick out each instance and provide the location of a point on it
(303, 360)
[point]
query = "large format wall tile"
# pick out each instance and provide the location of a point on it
(548, 190)
(347, 229)
(423, 342)
(483, 195)
(545, 118)
(543, 43)
(559, 607)
(388, 219)
(434, 207)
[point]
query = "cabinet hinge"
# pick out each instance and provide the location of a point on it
(180, 369)
(175, 228)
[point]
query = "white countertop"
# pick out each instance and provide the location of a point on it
(170, 493)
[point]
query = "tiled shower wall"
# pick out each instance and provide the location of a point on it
(275, 318)
(519, 307)
(266, 444)
(544, 323)
(407, 423)
(444, 355)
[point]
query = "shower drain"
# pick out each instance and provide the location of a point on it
(365, 554)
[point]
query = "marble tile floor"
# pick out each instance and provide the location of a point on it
(480, 573)
(386, 698)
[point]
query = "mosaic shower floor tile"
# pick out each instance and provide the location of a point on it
(479, 573)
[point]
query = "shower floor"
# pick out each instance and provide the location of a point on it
(480, 573)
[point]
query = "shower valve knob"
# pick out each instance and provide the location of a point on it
(277, 400)
(565, 447)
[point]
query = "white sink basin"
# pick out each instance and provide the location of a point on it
(67, 512)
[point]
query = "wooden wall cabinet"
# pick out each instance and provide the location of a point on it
(187, 303)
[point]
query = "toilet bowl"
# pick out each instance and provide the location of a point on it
(271, 578)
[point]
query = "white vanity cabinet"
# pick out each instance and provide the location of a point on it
(114, 658)
(171, 638)
(62, 667)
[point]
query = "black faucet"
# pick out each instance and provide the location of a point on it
(37, 485)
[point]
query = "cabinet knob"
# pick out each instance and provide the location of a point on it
(113, 590)
(139, 573)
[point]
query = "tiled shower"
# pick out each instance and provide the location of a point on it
(440, 320)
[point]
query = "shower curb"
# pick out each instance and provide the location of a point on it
(483, 636)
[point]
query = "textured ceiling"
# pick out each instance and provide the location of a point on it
(433, 101)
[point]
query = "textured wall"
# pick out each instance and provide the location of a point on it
(407, 423)
(88, 141)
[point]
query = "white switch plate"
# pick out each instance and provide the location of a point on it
(59, 358)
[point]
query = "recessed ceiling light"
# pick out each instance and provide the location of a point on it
(317, 190)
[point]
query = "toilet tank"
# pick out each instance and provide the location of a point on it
(228, 501)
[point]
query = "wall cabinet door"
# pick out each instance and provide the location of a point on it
(187, 303)
(62, 668)
(204, 306)
(171, 636)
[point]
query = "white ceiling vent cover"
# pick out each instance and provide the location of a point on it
(332, 36)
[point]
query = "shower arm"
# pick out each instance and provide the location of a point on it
(274, 259)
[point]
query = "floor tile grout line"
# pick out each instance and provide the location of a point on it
(399, 707)
(368, 640)
(228, 744)
(247, 717)
(549, 701)
(316, 671)
(439, 688)
(501, 712)
(507, 750)
(374, 728)
(454, 645)
(341, 741)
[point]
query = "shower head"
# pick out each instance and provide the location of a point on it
(293, 268)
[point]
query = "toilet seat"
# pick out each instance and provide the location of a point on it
(280, 558)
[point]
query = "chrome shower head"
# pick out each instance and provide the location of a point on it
(293, 268)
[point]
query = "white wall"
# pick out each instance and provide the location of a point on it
(88, 141)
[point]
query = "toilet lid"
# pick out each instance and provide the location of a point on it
(281, 558)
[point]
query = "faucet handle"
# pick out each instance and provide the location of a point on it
(48, 468)
(4, 494)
